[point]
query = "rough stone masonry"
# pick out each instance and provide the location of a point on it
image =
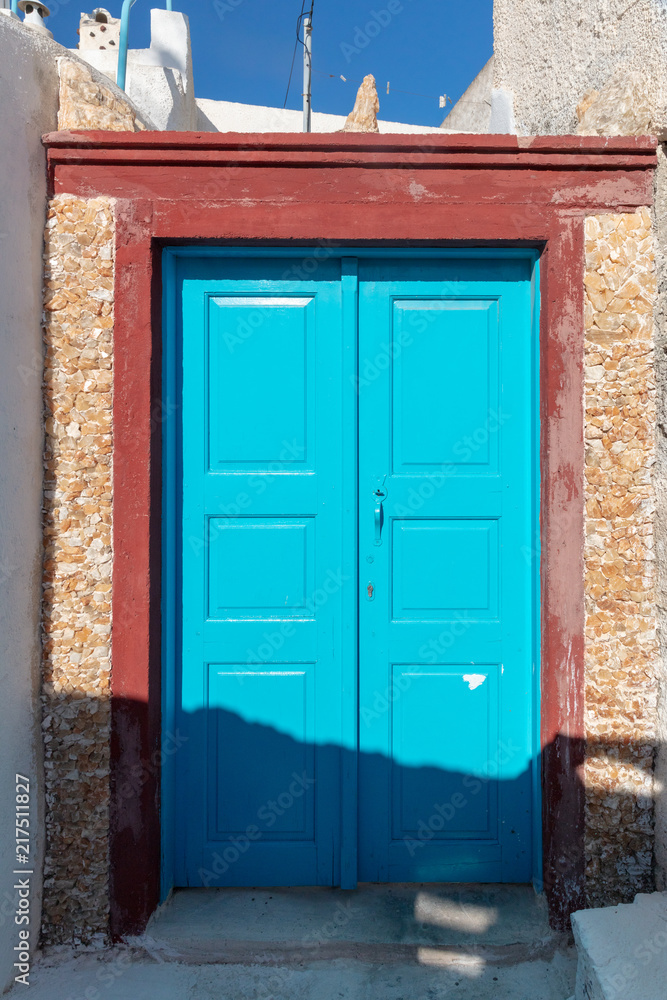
(621, 635)
(77, 613)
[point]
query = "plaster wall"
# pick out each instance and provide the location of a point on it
(660, 222)
(159, 79)
(472, 112)
(28, 108)
(226, 116)
(549, 53)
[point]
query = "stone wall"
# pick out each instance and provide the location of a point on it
(88, 103)
(549, 54)
(621, 638)
(78, 382)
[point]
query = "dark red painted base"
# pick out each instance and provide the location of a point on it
(391, 190)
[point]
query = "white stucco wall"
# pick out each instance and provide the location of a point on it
(28, 108)
(159, 79)
(550, 52)
(226, 116)
(472, 112)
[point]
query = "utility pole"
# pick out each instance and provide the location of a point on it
(307, 69)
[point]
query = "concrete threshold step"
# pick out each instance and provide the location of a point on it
(294, 954)
(438, 924)
(622, 950)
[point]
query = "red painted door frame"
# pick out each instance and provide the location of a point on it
(321, 189)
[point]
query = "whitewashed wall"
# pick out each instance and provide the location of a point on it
(28, 108)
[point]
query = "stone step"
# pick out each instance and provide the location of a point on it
(499, 925)
(622, 950)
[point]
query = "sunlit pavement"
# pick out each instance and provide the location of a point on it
(395, 942)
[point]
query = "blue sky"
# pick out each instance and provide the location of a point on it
(243, 49)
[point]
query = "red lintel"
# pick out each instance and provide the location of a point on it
(573, 144)
(417, 151)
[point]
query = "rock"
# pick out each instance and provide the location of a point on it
(363, 116)
(624, 106)
(87, 104)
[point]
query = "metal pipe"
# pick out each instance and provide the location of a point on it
(121, 73)
(307, 71)
(15, 6)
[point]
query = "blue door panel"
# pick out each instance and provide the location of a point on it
(352, 499)
(431, 704)
(259, 684)
(261, 352)
(438, 397)
(422, 547)
(242, 744)
(249, 545)
(446, 432)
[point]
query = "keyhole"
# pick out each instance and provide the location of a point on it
(370, 590)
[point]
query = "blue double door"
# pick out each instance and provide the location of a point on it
(350, 506)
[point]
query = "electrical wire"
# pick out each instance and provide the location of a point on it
(395, 90)
(299, 21)
(296, 45)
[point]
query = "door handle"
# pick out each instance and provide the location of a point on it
(380, 496)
